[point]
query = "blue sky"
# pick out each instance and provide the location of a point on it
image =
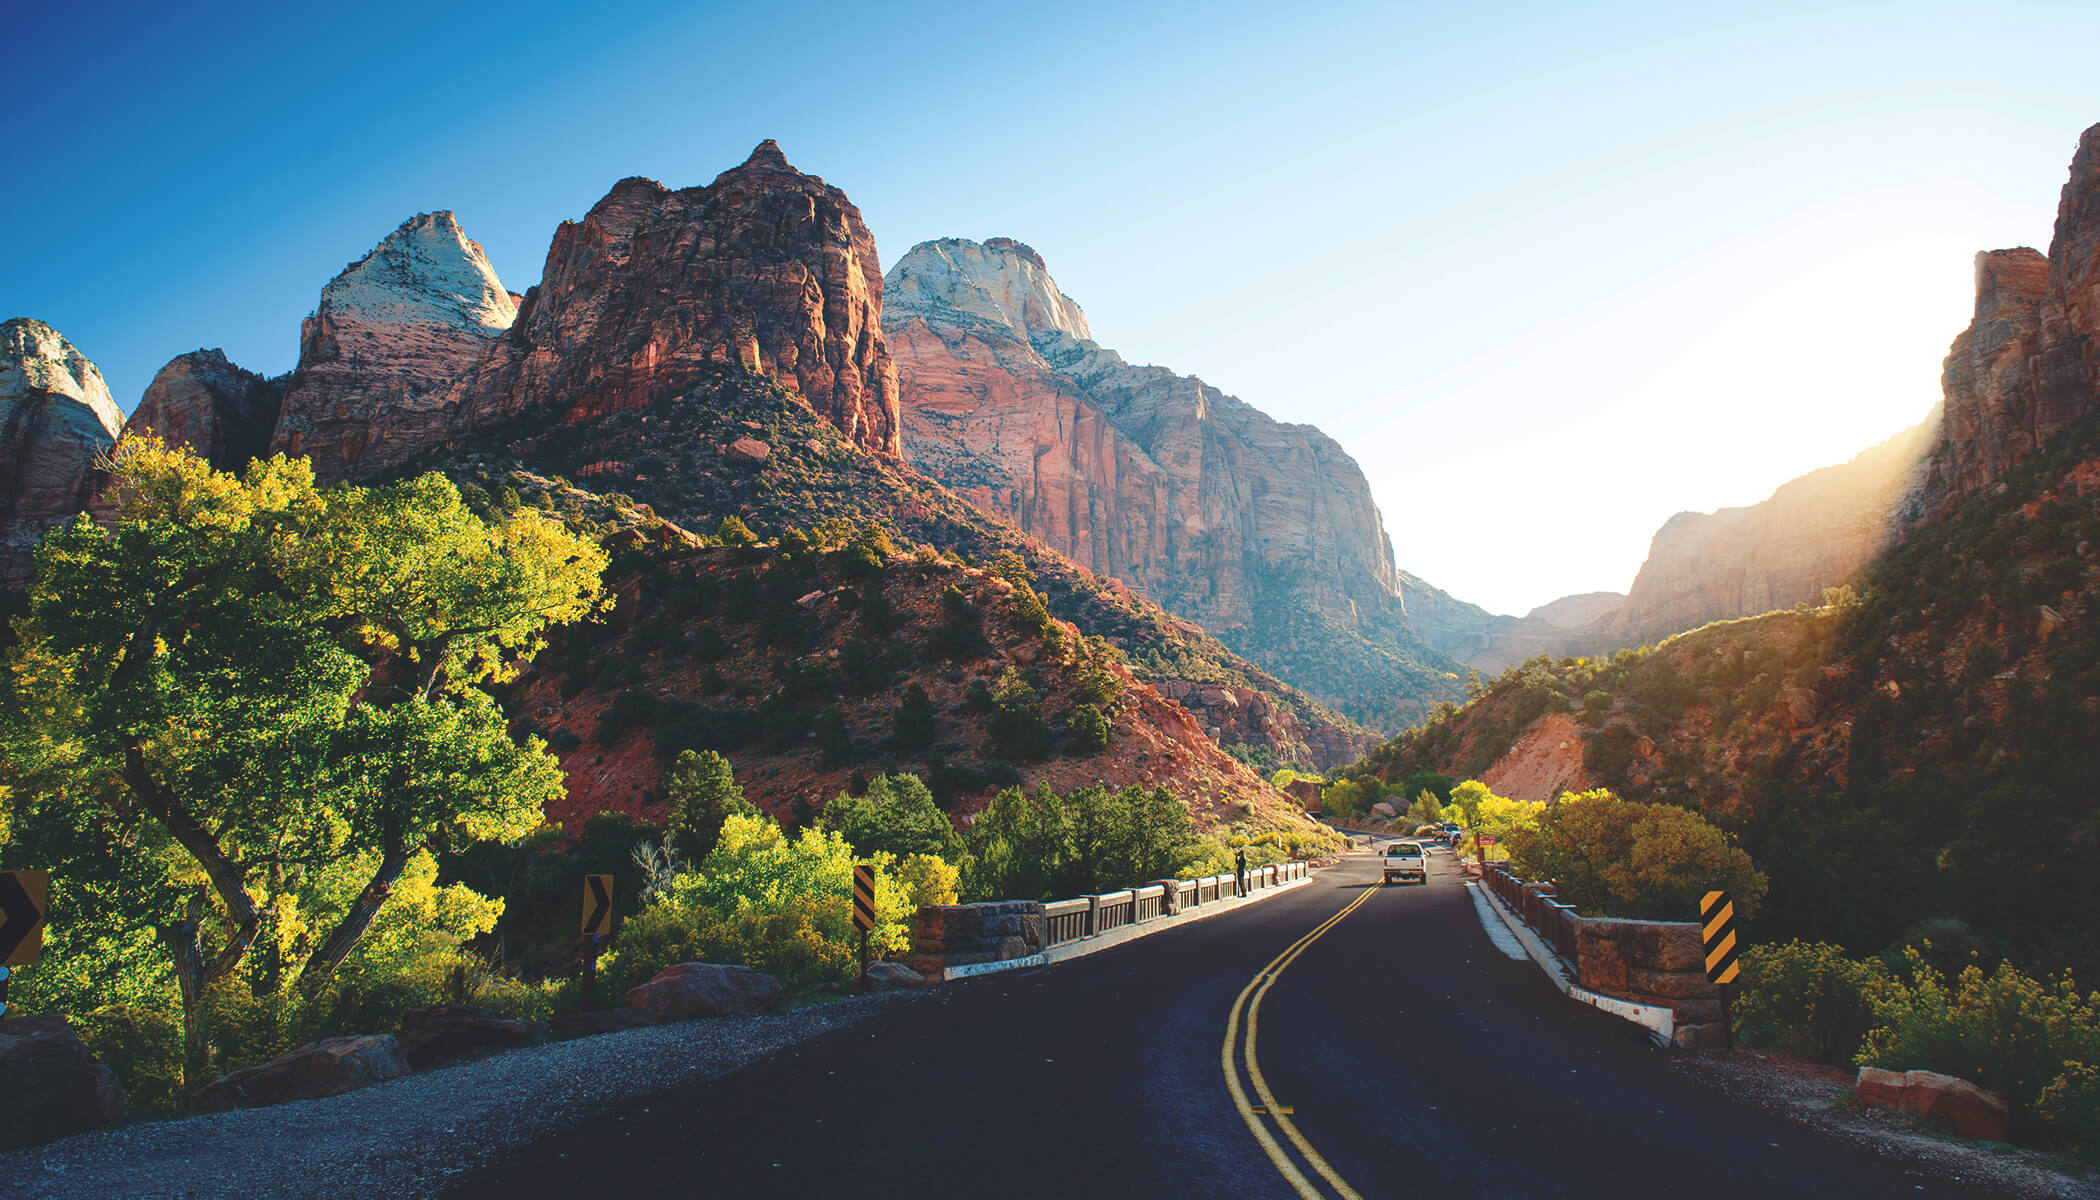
(1550, 275)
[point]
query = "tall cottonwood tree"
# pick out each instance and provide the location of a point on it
(251, 676)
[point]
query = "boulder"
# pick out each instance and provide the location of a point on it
(1878, 1088)
(1385, 809)
(50, 1086)
(1955, 1105)
(707, 990)
(889, 976)
(748, 450)
(442, 1031)
(328, 1067)
(603, 1020)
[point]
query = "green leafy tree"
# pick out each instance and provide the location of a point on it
(913, 726)
(1047, 846)
(1015, 721)
(1621, 858)
(249, 678)
(897, 816)
(1425, 810)
(703, 793)
(1087, 729)
(1466, 798)
(733, 532)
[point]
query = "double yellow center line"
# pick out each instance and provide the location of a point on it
(1257, 988)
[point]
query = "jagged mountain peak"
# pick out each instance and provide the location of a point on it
(427, 270)
(767, 155)
(999, 280)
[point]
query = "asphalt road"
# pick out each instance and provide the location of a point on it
(1417, 1059)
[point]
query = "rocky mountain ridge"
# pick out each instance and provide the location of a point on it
(1261, 531)
(203, 401)
(2025, 369)
(1812, 533)
(382, 349)
(1871, 752)
(416, 355)
(57, 420)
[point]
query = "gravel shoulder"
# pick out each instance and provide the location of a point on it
(1811, 1094)
(408, 1136)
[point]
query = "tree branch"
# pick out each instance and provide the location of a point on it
(227, 878)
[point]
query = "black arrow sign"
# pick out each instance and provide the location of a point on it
(20, 916)
(597, 904)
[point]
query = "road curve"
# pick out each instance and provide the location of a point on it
(1415, 1057)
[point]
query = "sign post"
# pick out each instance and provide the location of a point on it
(597, 922)
(1717, 930)
(864, 907)
(22, 897)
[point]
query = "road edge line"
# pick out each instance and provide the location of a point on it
(1658, 1020)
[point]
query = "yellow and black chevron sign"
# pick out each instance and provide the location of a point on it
(1717, 922)
(864, 896)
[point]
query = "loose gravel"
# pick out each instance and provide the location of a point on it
(1811, 1095)
(410, 1136)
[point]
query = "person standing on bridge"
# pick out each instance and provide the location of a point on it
(1240, 870)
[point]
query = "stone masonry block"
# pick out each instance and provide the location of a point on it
(1671, 985)
(951, 922)
(1696, 1010)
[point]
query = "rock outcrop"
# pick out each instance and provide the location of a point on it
(1244, 524)
(328, 1067)
(1814, 532)
(56, 421)
(1487, 642)
(2027, 366)
(1577, 611)
(222, 412)
(379, 356)
(438, 1032)
(1955, 1105)
(54, 1087)
(1134, 472)
(766, 269)
(687, 990)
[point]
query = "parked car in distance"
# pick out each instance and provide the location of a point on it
(1404, 861)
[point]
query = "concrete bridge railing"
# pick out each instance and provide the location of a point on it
(1658, 963)
(951, 941)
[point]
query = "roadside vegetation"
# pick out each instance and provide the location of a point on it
(262, 734)
(1938, 1003)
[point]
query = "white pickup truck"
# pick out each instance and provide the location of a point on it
(1406, 860)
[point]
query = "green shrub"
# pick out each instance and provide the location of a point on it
(912, 728)
(1805, 999)
(2005, 1032)
(779, 904)
(896, 816)
(1087, 730)
(143, 1045)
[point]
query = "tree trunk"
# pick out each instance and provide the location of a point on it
(227, 878)
(183, 941)
(336, 947)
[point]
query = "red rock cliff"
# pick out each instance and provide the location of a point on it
(766, 268)
(56, 421)
(2027, 366)
(202, 401)
(1815, 532)
(387, 342)
(1132, 471)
